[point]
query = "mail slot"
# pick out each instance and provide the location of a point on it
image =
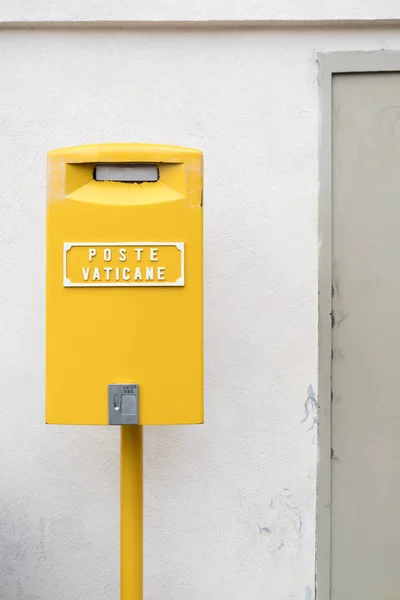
(124, 285)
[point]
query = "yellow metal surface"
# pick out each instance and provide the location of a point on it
(124, 285)
(131, 512)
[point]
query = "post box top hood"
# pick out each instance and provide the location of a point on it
(125, 152)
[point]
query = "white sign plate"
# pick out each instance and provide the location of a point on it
(125, 264)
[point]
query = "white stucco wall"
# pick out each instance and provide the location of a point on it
(203, 10)
(229, 505)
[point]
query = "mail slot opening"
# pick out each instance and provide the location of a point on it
(127, 173)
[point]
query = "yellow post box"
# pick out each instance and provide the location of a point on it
(124, 285)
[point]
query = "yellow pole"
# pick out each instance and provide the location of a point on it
(131, 512)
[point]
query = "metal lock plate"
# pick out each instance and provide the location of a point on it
(123, 404)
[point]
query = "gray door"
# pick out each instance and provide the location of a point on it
(365, 557)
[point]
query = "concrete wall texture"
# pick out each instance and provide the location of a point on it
(229, 506)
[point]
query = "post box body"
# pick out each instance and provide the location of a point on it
(124, 302)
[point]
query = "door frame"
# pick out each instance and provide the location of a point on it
(330, 64)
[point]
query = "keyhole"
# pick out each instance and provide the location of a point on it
(117, 402)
